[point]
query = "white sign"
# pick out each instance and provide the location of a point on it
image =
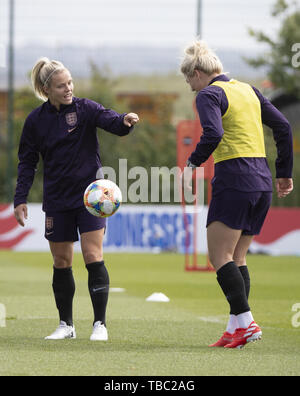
(151, 228)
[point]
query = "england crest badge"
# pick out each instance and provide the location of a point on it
(71, 119)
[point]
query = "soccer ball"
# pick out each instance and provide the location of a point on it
(102, 198)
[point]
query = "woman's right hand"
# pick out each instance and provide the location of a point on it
(21, 214)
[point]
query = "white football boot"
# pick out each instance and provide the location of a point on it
(63, 332)
(99, 332)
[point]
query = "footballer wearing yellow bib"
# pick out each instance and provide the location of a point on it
(243, 131)
(232, 114)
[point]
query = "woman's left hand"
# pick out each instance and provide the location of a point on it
(284, 186)
(131, 119)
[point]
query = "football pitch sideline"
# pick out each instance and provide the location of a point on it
(147, 338)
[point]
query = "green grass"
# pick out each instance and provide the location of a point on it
(147, 338)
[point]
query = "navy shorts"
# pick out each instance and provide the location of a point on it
(244, 211)
(64, 226)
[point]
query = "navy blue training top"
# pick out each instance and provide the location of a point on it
(243, 174)
(68, 144)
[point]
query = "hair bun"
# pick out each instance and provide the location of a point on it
(199, 56)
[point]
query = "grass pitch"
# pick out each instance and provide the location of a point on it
(147, 338)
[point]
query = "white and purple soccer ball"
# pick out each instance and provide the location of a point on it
(102, 198)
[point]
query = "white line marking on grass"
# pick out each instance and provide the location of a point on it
(213, 319)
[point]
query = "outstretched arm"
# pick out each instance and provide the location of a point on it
(110, 120)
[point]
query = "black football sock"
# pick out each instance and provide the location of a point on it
(98, 282)
(64, 289)
(246, 277)
(232, 283)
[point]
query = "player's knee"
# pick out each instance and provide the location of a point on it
(219, 259)
(93, 256)
(239, 261)
(62, 261)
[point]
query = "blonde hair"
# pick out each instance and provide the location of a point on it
(42, 73)
(199, 56)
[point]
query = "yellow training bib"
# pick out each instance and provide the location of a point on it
(242, 124)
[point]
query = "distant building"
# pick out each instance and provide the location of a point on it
(156, 108)
(3, 105)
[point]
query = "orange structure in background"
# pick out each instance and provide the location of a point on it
(188, 135)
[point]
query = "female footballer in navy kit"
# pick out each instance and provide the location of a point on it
(63, 132)
(232, 114)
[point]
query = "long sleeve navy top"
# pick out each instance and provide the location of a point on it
(243, 174)
(68, 144)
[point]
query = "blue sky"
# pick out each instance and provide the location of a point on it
(147, 22)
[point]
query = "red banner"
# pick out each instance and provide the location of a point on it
(11, 233)
(279, 222)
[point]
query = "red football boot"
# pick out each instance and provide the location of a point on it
(226, 338)
(242, 337)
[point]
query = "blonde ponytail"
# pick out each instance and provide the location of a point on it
(199, 56)
(41, 75)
